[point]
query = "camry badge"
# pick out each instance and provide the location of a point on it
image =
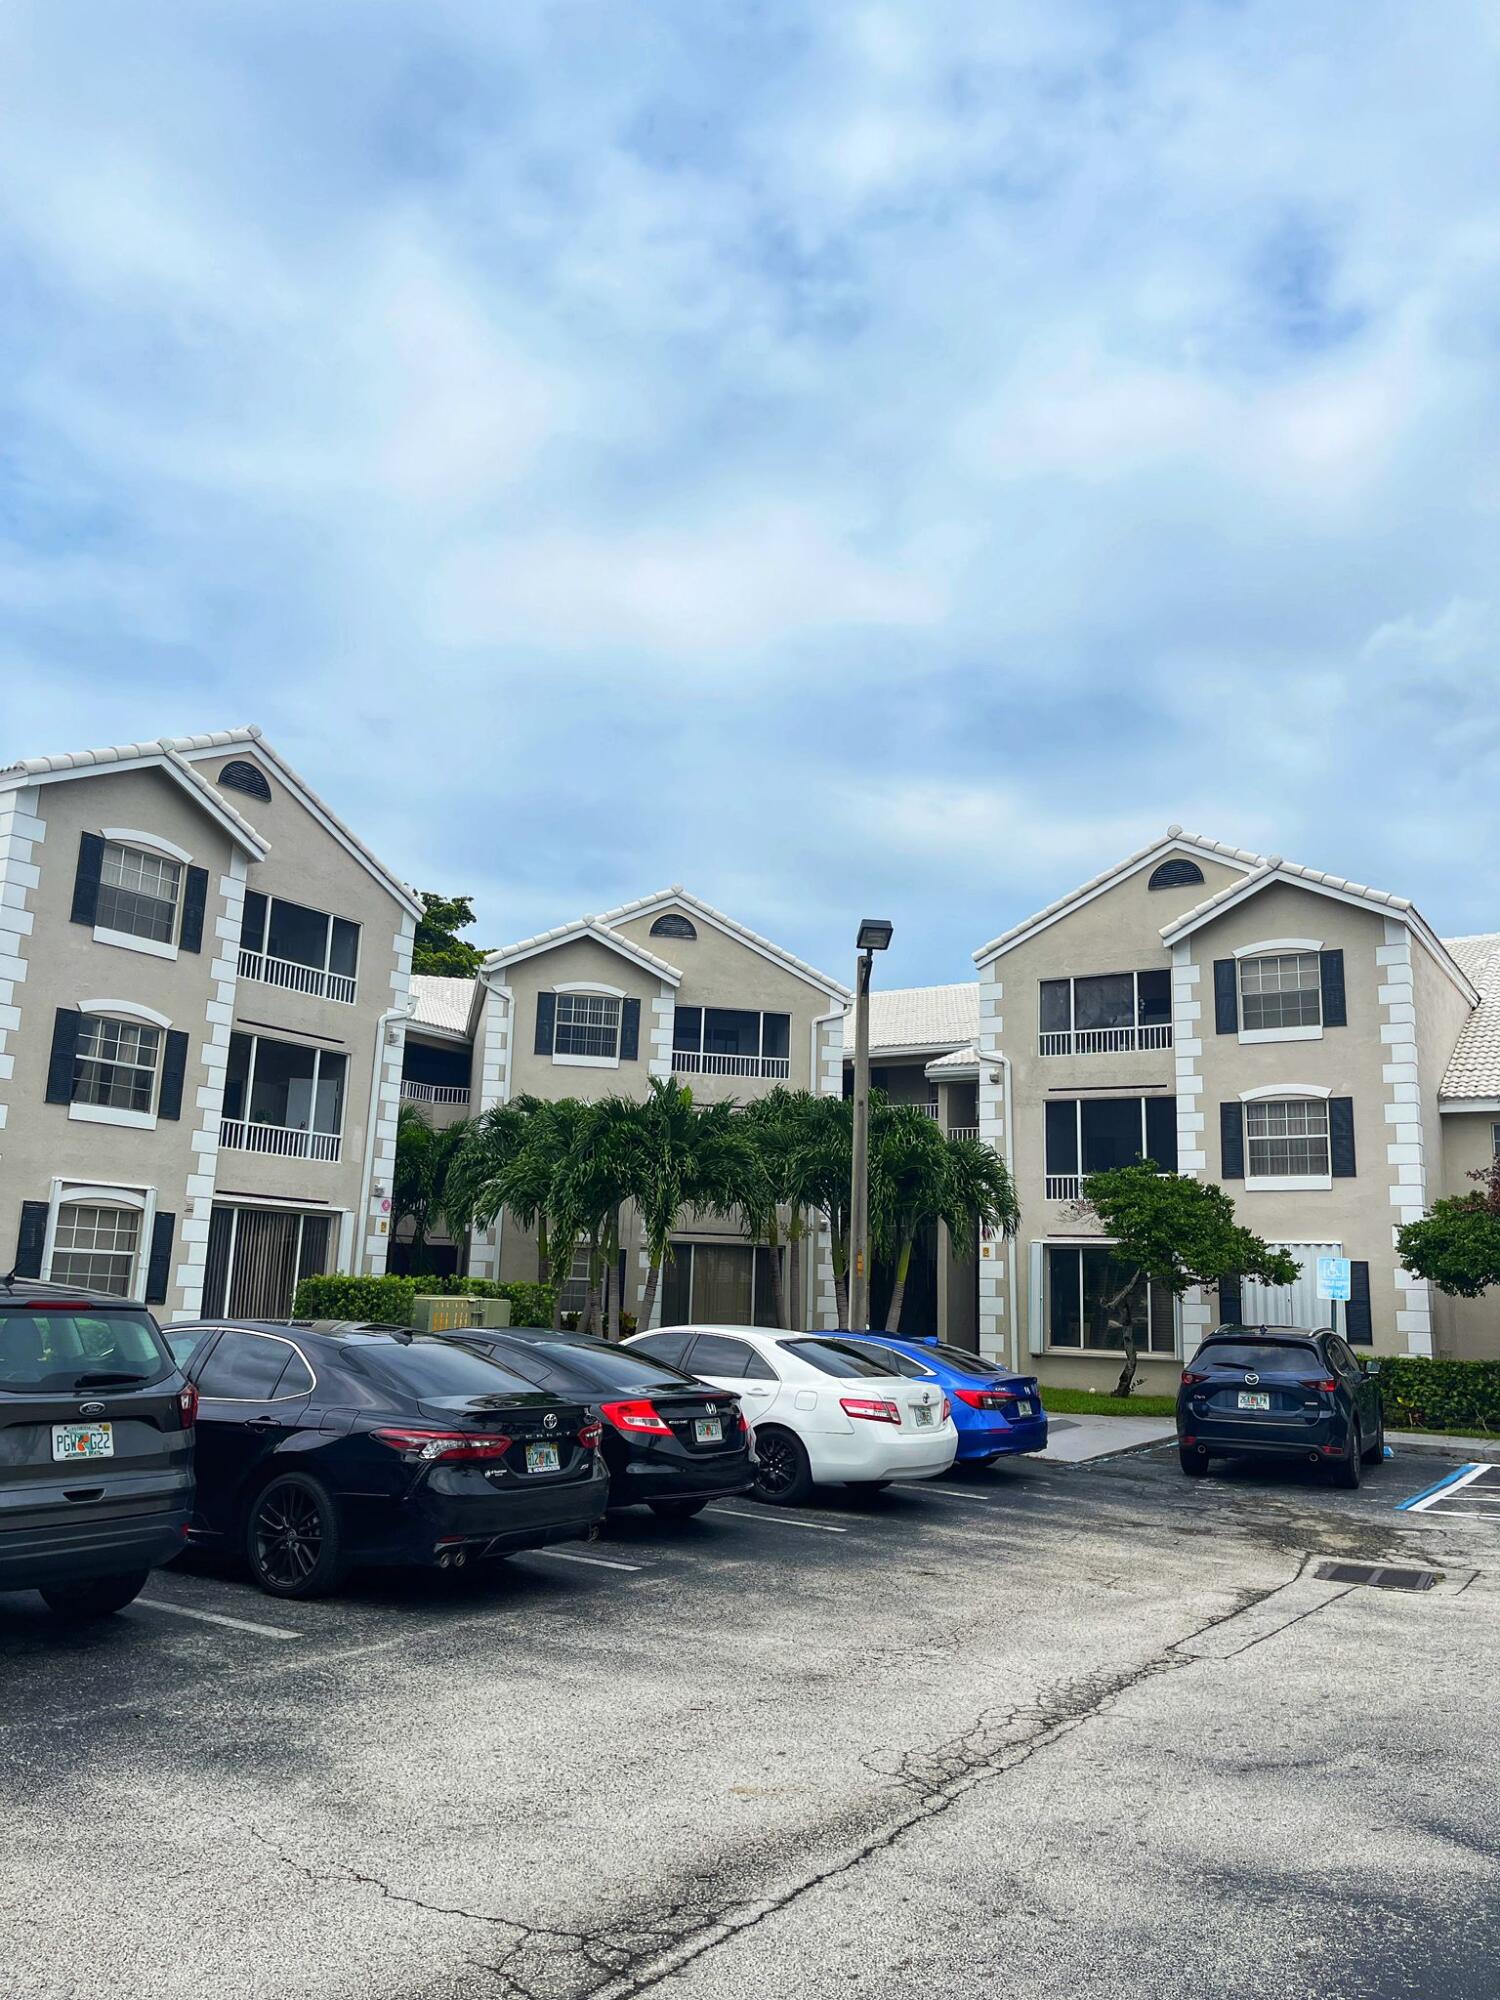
(549, 1422)
(91, 1409)
(1251, 1376)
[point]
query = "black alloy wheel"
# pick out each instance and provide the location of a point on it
(1376, 1454)
(1193, 1463)
(292, 1539)
(784, 1476)
(98, 1597)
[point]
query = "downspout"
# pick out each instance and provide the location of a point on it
(382, 1028)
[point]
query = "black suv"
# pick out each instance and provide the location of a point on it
(96, 1447)
(1279, 1391)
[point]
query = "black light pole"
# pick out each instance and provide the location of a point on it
(874, 935)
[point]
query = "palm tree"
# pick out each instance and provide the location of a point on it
(514, 1161)
(687, 1157)
(425, 1163)
(917, 1177)
(824, 1151)
(592, 1184)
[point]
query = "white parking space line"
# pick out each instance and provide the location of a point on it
(963, 1499)
(594, 1562)
(778, 1521)
(216, 1618)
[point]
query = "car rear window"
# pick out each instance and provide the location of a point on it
(1294, 1356)
(45, 1352)
(610, 1367)
(426, 1365)
(835, 1357)
(968, 1363)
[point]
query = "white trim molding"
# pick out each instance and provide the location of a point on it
(132, 1009)
(87, 1194)
(589, 986)
(131, 836)
(996, 1295)
(1266, 946)
(21, 834)
(1251, 1036)
(1285, 1090)
(387, 1062)
(112, 1114)
(497, 1015)
(221, 935)
(128, 941)
(1406, 1148)
(1287, 1183)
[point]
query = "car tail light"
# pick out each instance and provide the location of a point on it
(1325, 1383)
(986, 1399)
(947, 1409)
(1189, 1377)
(589, 1436)
(874, 1409)
(639, 1417)
(187, 1403)
(444, 1447)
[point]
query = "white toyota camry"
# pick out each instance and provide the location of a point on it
(823, 1412)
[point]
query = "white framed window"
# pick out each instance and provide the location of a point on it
(587, 1024)
(116, 1065)
(1286, 1138)
(1281, 991)
(140, 894)
(98, 1246)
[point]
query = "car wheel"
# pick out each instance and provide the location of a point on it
(784, 1476)
(292, 1539)
(1193, 1463)
(1377, 1450)
(676, 1510)
(98, 1597)
(1347, 1468)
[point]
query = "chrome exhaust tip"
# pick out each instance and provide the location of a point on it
(459, 1560)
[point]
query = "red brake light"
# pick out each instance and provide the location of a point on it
(589, 1436)
(874, 1409)
(1327, 1384)
(639, 1416)
(743, 1420)
(187, 1403)
(985, 1399)
(947, 1409)
(444, 1447)
(1189, 1377)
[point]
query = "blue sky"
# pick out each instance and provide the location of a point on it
(844, 457)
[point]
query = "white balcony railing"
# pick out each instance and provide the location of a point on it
(930, 1109)
(1106, 1041)
(286, 1142)
(1064, 1187)
(286, 972)
(703, 1062)
(963, 1131)
(434, 1093)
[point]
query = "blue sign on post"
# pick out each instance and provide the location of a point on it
(1333, 1277)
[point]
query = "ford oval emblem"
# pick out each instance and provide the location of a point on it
(549, 1422)
(91, 1409)
(1251, 1376)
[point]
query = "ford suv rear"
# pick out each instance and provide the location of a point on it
(96, 1447)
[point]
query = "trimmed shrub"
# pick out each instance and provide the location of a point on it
(388, 1301)
(1441, 1395)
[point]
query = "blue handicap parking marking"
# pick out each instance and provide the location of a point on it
(1476, 1482)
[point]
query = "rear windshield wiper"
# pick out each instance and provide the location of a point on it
(99, 1380)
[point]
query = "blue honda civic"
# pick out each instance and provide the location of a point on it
(996, 1411)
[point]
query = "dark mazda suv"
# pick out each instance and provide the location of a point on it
(96, 1447)
(1280, 1392)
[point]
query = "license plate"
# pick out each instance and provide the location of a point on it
(1255, 1399)
(708, 1430)
(922, 1412)
(71, 1442)
(542, 1458)
(1023, 1409)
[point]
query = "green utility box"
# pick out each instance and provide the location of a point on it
(455, 1312)
(491, 1312)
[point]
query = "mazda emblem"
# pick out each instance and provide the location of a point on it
(1251, 1376)
(91, 1409)
(549, 1422)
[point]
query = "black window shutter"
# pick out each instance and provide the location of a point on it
(1358, 1329)
(1226, 997)
(173, 1071)
(194, 903)
(1230, 1308)
(1232, 1142)
(65, 1025)
(1341, 1137)
(86, 880)
(32, 1240)
(546, 1018)
(630, 1031)
(1331, 971)
(159, 1267)
(1161, 1132)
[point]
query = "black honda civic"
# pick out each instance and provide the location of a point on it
(325, 1446)
(669, 1440)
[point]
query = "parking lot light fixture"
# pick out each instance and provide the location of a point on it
(874, 935)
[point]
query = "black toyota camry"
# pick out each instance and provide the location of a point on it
(669, 1440)
(321, 1447)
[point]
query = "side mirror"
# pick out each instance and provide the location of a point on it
(1372, 1367)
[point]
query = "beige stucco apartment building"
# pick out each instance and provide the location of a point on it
(203, 993)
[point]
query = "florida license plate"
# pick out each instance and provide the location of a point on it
(542, 1458)
(1255, 1399)
(1023, 1409)
(709, 1430)
(71, 1442)
(923, 1413)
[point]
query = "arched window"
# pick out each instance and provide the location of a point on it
(1175, 874)
(247, 778)
(673, 926)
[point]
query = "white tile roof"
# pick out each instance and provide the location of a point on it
(1474, 1067)
(957, 1060)
(677, 894)
(165, 752)
(920, 1017)
(442, 1002)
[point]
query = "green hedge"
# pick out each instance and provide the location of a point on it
(1441, 1395)
(388, 1301)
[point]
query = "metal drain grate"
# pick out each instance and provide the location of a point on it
(1377, 1577)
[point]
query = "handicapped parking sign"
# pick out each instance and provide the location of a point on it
(1333, 1277)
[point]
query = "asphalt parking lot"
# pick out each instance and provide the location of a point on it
(1045, 1730)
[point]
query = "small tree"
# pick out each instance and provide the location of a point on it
(425, 1160)
(1456, 1245)
(1175, 1233)
(435, 948)
(686, 1157)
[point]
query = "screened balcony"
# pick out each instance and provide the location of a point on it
(729, 1041)
(1108, 1014)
